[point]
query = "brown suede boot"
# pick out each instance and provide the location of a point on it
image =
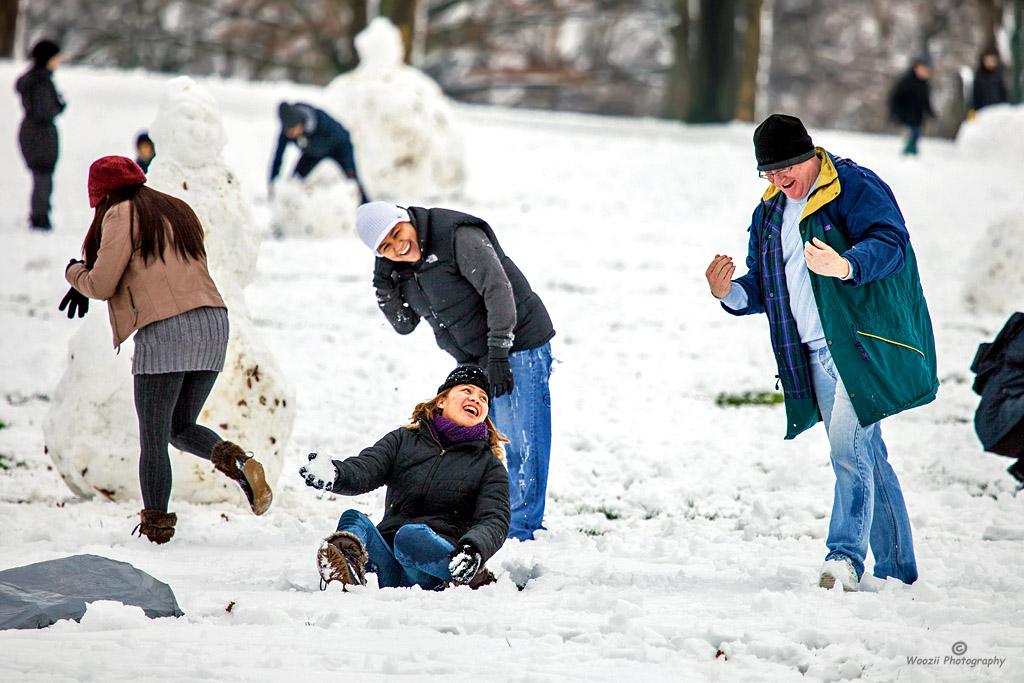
(230, 459)
(156, 525)
(341, 557)
(483, 577)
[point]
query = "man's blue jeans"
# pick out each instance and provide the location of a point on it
(419, 557)
(524, 416)
(868, 507)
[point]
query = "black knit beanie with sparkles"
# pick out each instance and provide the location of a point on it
(466, 374)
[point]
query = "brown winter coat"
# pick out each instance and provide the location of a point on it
(139, 293)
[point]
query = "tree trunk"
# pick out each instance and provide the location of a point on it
(1017, 58)
(746, 88)
(714, 73)
(403, 15)
(677, 89)
(8, 27)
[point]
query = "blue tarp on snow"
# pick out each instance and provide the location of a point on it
(37, 595)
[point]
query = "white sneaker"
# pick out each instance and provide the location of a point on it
(839, 570)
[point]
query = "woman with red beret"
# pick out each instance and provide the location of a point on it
(144, 256)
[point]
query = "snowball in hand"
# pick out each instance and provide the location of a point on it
(319, 472)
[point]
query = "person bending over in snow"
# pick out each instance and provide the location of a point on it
(447, 267)
(446, 511)
(319, 137)
(829, 261)
(144, 256)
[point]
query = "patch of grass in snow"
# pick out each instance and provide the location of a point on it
(592, 532)
(749, 398)
(7, 462)
(609, 514)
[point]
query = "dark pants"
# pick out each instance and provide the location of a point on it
(168, 405)
(42, 188)
(307, 162)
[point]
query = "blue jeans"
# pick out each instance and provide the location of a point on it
(913, 135)
(524, 416)
(419, 557)
(868, 508)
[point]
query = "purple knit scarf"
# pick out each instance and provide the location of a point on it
(449, 432)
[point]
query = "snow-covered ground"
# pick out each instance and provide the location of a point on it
(684, 539)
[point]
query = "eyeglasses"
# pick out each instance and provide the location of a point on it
(771, 175)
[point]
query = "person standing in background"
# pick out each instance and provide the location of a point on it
(910, 101)
(38, 133)
(989, 86)
(145, 150)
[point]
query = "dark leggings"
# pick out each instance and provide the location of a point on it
(42, 188)
(167, 405)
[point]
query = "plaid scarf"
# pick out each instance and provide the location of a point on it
(794, 370)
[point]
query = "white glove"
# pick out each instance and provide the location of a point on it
(319, 472)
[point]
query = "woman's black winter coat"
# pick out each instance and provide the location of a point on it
(38, 134)
(460, 492)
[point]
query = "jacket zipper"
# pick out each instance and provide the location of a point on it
(856, 342)
(430, 476)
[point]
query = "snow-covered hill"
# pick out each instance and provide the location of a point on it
(684, 539)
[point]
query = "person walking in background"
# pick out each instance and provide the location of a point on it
(910, 101)
(448, 268)
(989, 86)
(38, 133)
(446, 511)
(145, 150)
(319, 137)
(144, 255)
(829, 261)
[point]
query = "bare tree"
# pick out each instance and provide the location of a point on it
(677, 88)
(746, 86)
(8, 27)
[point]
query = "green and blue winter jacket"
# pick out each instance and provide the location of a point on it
(876, 323)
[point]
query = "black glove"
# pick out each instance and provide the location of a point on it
(71, 263)
(465, 563)
(499, 372)
(382, 270)
(75, 302)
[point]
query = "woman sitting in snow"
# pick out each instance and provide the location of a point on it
(446, 510)
(144, 256)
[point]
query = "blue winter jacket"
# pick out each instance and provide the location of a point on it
(876, 323)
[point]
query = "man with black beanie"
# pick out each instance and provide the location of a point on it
(829, 261)
(38, 134)
(319, 137)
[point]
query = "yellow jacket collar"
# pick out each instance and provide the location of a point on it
(825, 191)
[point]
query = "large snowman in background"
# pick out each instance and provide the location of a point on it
(995, 278)
(406, 141)
(91, 430)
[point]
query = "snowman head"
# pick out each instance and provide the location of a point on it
(188, 128)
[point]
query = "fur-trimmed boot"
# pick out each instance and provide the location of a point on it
(341, 557)
(230, 459)
(156, 525)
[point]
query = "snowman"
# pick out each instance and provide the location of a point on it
(91, 430)
(407, 144)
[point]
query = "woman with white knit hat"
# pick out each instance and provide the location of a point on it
(448, 268)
